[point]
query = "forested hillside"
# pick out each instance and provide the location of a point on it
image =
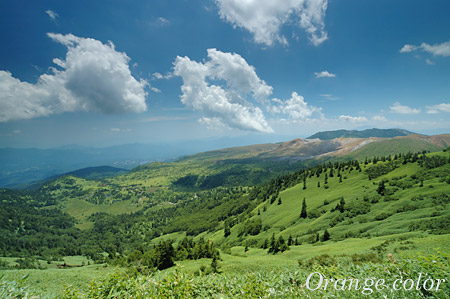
(161, 215)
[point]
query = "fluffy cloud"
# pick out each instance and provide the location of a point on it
(264, 18)
(221, 88)
(437, 49)
(93, 76)
(352, 119)
(295, 107)
(401, 109)
(444, 107)
(324, 74)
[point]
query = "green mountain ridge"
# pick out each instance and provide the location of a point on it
(381, 133)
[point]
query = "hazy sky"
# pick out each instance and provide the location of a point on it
(112, 72)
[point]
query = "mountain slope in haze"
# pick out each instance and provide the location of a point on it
(299, 149)
(18, 167)
(381, 133)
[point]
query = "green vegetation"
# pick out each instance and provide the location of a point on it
(382, 133)
(231, 235)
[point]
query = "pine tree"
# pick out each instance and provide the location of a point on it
(279, 201)
(303, 213)
(318, 184)
(272, 243)
(265, 244)
(214, 265)
(226, 231)
(304, 182)
(341, 206)
(326, 235)
(381, 188)
(290, 240)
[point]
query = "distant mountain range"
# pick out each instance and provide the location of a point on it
(381, 133)
(298, 150)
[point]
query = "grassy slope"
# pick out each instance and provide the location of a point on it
(284, 220)
(356, 234)
(394, 146)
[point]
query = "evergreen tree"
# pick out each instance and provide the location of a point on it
(318, 184)
(227, 230)
(303, 213)
(326, 235)
(340, 206)
(290, 240)
(381, 188)
(304, 182)
(265, 244)
(214, 265)
(272, 243)
(279, 201)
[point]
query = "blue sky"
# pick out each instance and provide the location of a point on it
(111, 72)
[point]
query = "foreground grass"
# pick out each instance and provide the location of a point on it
(49, 283)
(283, 282)
(250, 274)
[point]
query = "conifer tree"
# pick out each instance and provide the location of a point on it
(303, 213)
(326, 235)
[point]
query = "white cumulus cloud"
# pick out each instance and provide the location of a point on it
(442, 49)
(324, 74)
(295, 107)
(222, 88)
(444, 107)
(401, 109)
(264, 18)
(93, 76)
